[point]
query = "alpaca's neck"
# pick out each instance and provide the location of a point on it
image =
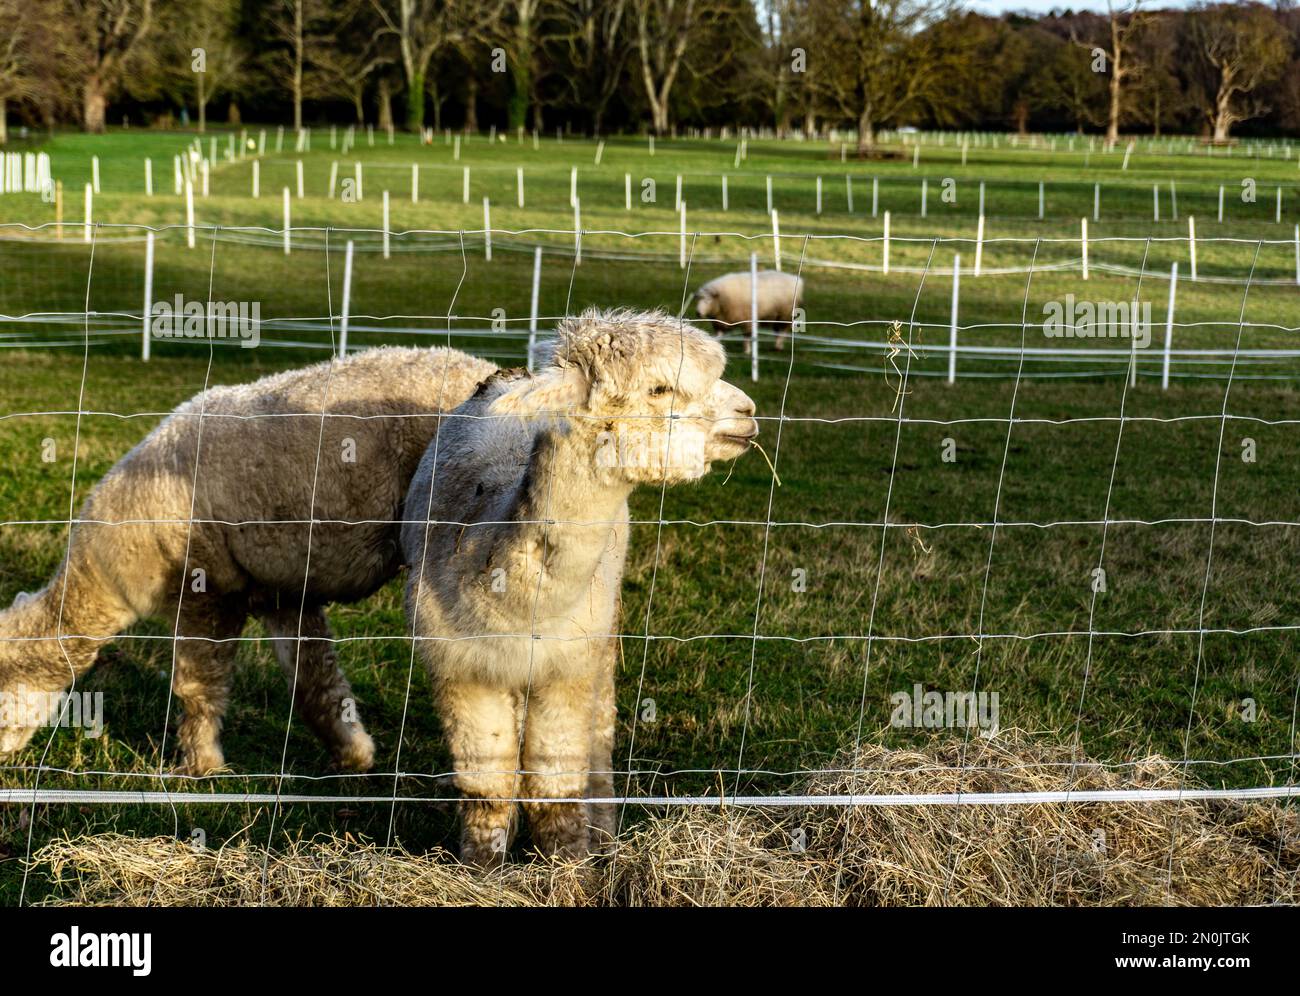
(569, 503)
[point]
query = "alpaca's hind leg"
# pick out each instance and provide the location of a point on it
(205, 651)
(483, 735)
(321, 692)
(557, 755)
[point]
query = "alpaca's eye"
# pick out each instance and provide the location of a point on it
(659, 390)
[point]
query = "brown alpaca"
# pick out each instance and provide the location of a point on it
(515, 612)
(241, 461)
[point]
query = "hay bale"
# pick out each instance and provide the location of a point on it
(1084, 854)
(706, 858)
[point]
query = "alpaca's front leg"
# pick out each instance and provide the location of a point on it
(484, 739)
(557, 755)
(602, 817)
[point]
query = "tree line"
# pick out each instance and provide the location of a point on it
(605, 66)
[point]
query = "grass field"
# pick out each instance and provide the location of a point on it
(728, 648)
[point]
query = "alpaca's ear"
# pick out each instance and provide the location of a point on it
(552, 391)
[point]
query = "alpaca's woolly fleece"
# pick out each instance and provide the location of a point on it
(517, 566)
(219, 513)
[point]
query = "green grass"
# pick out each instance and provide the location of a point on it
(800, 690)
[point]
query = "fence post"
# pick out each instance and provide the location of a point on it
(1169, 326)
(300, 185)
(819, 194)
(886, 245)
(952, 325)
(1191, 242)
(577, 233)
(725, 198)
(627, 191)
(1155, 202)
(532, 310)
(1083, 243)
(415, 183)
(148, 294)
(257, 179)
(347, 301)
(753, 315)
(94, 172)
(487, 230)
(769, 195)
(357, 175)
(875, 195)
(334, 177)
(776, 241)
(286, 221)
(848, 191)
(148, 177)
(1040, 200)
(681, 245)
(464, 186)
(1220, 204)
(979, 246)
(519, 185)
(924, 193)
(386, 225)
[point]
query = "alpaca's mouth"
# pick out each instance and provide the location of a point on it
(745, 440)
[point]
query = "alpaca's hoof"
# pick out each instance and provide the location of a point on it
(481, 858)
(200, 766)
(358, 754)
(14, 738)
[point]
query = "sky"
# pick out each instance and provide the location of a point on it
(1043, 6)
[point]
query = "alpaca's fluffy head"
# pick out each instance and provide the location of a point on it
(647, 387)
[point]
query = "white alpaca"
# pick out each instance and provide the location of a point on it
(251, 466)
(728, 301)
(513, 593)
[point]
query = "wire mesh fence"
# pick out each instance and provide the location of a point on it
(882, 312)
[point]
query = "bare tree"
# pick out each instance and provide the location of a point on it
(1234, 50)
(290, 24)
(664, 32)
(522, 44)
(875, 60)
(1114, 56)
(422, 29)
(596, 47)
(104, 34)
(16, 82)
(208, 50)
